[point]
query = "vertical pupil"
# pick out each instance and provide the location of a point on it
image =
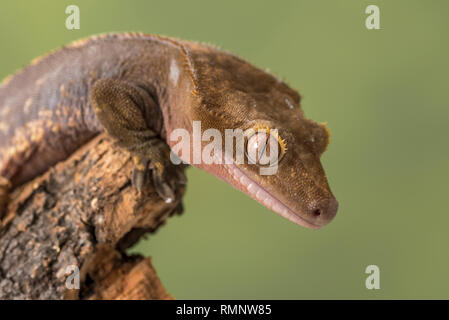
(261, 145)
(257, 146)
(260, 148)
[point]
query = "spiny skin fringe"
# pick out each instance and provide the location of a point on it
(281, 141)
(134, 35)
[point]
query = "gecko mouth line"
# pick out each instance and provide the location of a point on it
(259, 193)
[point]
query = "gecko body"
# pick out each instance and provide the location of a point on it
(139, 88)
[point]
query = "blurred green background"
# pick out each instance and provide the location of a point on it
(384, 94)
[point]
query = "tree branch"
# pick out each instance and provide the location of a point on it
(83, 212)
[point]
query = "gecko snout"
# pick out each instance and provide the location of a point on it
(324, 211)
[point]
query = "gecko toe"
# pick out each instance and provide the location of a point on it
(139, 179)
(163, 189)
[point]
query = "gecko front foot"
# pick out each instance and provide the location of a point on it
(5, 186)
(155, 163)
(121, 108)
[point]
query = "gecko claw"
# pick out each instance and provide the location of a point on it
(140, 173)
(164, 181)
(138, 179)
(163, 189)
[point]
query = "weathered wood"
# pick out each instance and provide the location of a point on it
(82, 212)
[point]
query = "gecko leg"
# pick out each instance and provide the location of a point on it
(120, 108)
(5, 186)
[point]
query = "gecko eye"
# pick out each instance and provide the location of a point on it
(263, 148)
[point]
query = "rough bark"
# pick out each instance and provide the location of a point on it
(83, 212)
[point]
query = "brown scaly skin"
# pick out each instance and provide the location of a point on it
(139, 88)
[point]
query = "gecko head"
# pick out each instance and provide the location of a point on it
(280, 165)
(241, 96)
(291, 181)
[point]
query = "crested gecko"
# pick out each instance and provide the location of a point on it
(139, 88)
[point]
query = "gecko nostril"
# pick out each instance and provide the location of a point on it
(325, 211)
